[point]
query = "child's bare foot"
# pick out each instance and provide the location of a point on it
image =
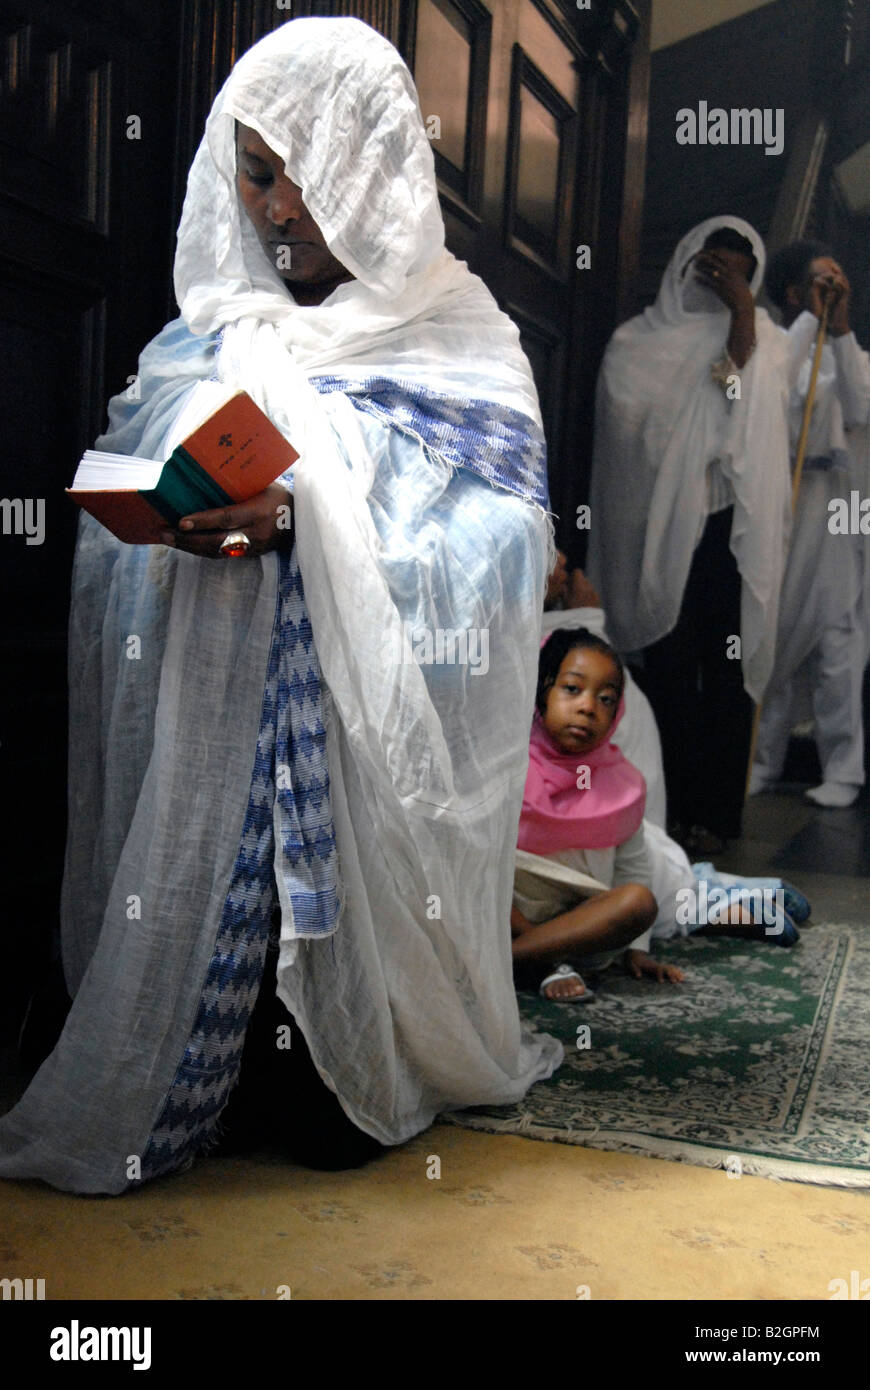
(564, 983)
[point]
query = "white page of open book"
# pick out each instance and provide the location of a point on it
(99, 472)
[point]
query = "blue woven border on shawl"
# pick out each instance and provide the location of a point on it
(500, 444)
(290, 781)
(290, 787)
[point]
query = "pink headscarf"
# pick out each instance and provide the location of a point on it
(558, 815)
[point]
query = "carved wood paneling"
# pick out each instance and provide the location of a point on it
(82, 276)
(460, 184)
(54, 100)
(550, 250)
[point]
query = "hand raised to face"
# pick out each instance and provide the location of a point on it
(726, 273)
(827, 283)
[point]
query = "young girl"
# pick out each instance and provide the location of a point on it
(582, 830)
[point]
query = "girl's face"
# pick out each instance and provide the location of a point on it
(581, 703)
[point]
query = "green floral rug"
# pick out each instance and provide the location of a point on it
(759, 1062)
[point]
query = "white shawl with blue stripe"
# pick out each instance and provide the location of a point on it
(277, 738)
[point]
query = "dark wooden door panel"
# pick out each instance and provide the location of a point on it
(85, 241)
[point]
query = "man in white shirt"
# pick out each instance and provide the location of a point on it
(821, 646)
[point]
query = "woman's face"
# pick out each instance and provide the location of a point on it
(582, 701)
(286, 230)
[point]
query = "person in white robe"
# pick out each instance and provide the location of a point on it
(286, 744)
(821, 642)
(690, 513)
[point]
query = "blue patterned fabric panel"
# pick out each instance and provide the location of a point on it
(494, 441)
(290, 789)
(308, 859)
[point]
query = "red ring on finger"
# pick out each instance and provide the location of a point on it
(234, 544)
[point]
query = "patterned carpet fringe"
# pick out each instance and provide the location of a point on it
(758, 1063)
(700, 1158)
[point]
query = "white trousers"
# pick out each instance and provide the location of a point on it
(834, 672)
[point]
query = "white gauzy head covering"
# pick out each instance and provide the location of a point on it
(660, 422)
(336, 102)
(681, 297)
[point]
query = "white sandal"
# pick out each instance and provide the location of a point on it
(565, 972)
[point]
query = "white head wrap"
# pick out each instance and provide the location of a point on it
(335, 101)
(660, 422)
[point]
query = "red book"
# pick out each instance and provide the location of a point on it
(235, 454)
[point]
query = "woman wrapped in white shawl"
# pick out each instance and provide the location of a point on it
(341, 726)
(690, 509)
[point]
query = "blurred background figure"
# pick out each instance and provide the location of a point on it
(690, 514)
(821, 647)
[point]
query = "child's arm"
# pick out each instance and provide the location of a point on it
(631, 862)
(632, 859)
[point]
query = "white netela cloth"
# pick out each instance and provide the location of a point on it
(822, 637)
(660, 422)
(824, 571)
(420, 504)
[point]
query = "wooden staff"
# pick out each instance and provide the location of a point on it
(795, 488)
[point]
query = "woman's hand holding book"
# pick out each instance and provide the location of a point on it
(266, 519)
